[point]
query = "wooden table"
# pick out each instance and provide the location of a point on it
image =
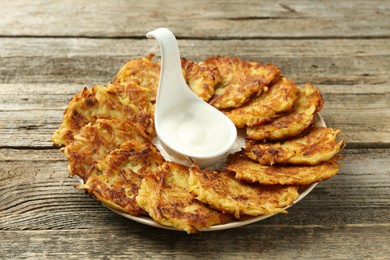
(50, 50)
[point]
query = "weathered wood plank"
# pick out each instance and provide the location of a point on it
(361, 127)
(32, 106)
(343, 47)
(29, 113)
(55, 96)
(200, 19)
(37, 193)
(260, 242)
(30, 60)
(194, 49)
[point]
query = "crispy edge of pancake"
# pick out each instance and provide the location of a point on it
(316, 145)
(74, 117)
(201, 79)
(164, 195)
(278, 99)
(309, 102)
(251, 171)
(142, 71)
(97, 139)
(117, 178)
(223, 192)
(240, 80)
(104, 102)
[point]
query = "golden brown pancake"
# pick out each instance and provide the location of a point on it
(97, 139)
(106, 102)
(240, 80)
(200, 78)
(144, 72)
(117, 178)
(279, 98)
(107, 132)
(223, 192)
(309, 102)
(319, 144)
(251, 171)
(164, 195)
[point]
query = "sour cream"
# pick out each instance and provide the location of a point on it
(191, 129)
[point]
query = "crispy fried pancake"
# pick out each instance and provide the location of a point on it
(97, 139)
(223, 192)
(200, 78)
(279, 98)
(136, 106)
(317, 145)
(117, 179)
(134, 96)
(240, 80)
(144, 72)
(248, 170)
(309, 102)
(107, 133)
(105, 102)
(164, 195)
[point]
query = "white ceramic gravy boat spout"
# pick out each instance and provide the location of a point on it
(187, 126)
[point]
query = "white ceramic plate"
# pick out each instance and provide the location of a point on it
(150, 222)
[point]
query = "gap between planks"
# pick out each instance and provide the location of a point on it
(204, 38)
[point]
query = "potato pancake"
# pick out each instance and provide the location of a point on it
(117, 178)
(251, 171)
(144, 72)
(164, 195)
(97, 139)
(279, 98)
(317, 145)
(240, 81)
(200, 78)
(309, 102)
(134, 96)
(105, 102)
(107, 134)
(223, 192)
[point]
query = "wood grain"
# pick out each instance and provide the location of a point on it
(37, 193)
(35, 89)
(49, 50)
(29, 118)
(197, 19)
(76, 61)
(252, 242)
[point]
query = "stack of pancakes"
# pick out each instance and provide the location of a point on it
(107, 134)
